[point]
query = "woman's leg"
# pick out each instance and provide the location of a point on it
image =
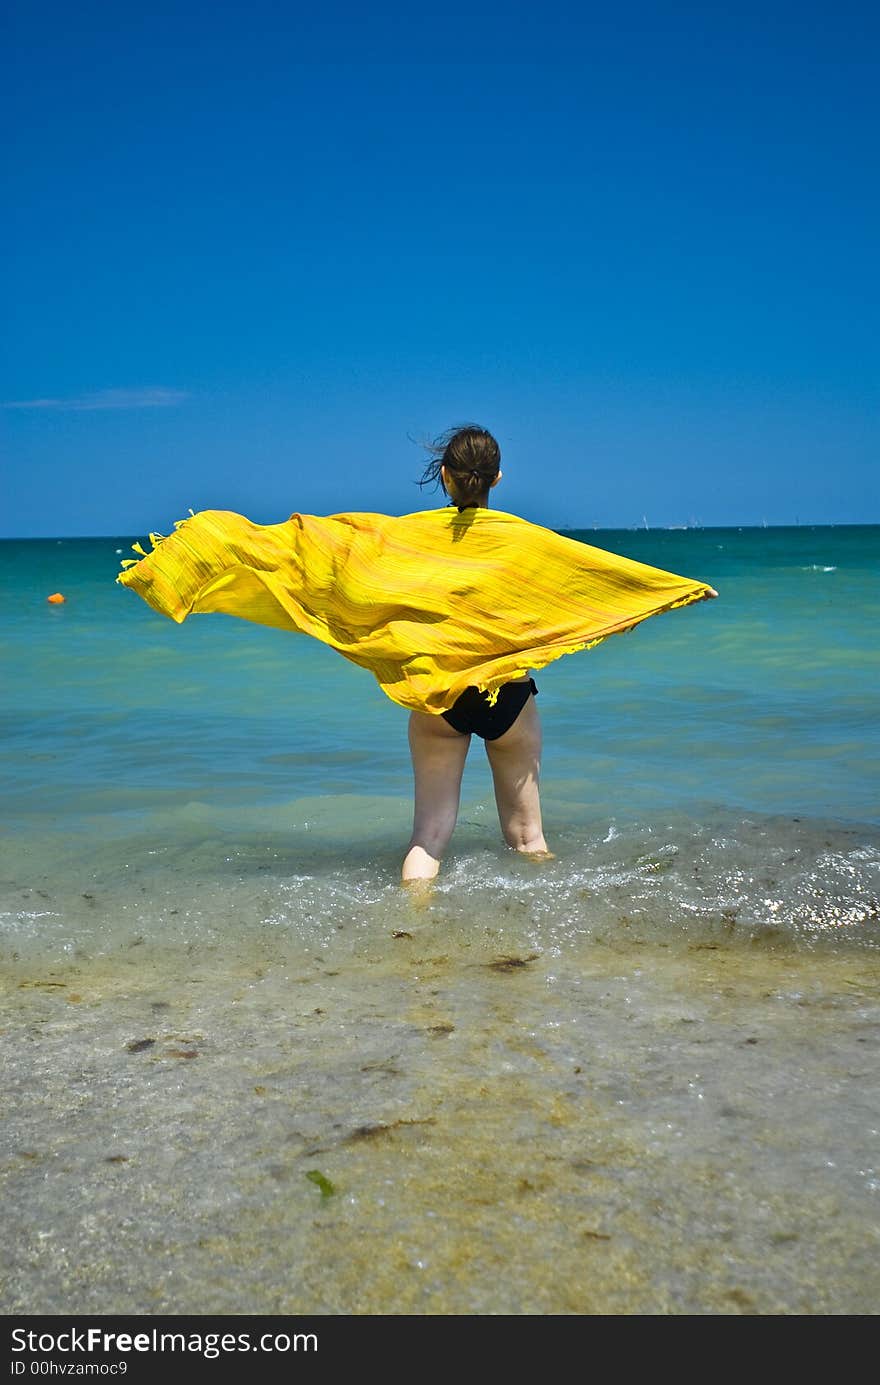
(515, 759)
(438, 756)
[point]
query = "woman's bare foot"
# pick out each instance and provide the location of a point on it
(418, 865)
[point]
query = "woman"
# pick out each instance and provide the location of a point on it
(449, 609)
(467, 465)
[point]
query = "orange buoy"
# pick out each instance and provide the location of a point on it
(56, 598)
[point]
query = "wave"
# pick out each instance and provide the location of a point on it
(682, 880)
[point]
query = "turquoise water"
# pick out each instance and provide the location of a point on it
(637, 1079)
(750, 721)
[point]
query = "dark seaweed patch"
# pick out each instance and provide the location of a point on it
(372, 1132)
(507, 964)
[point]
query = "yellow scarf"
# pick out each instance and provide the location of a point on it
(430, 603)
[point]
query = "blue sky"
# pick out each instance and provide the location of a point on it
(253, 251)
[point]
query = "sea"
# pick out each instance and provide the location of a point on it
(246, 1072)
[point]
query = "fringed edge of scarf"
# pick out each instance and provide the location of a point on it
(155, 541)
(492, 686)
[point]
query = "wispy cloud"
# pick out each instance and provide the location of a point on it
(151, 398)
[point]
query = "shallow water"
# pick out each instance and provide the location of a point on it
(637, 1079)
(624, 1126)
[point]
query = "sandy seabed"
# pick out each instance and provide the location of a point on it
(423, 1122)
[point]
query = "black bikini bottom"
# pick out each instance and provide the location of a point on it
(471, 713)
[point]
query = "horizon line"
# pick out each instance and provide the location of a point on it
(567, 529)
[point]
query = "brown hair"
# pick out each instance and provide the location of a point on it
(472, 459)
